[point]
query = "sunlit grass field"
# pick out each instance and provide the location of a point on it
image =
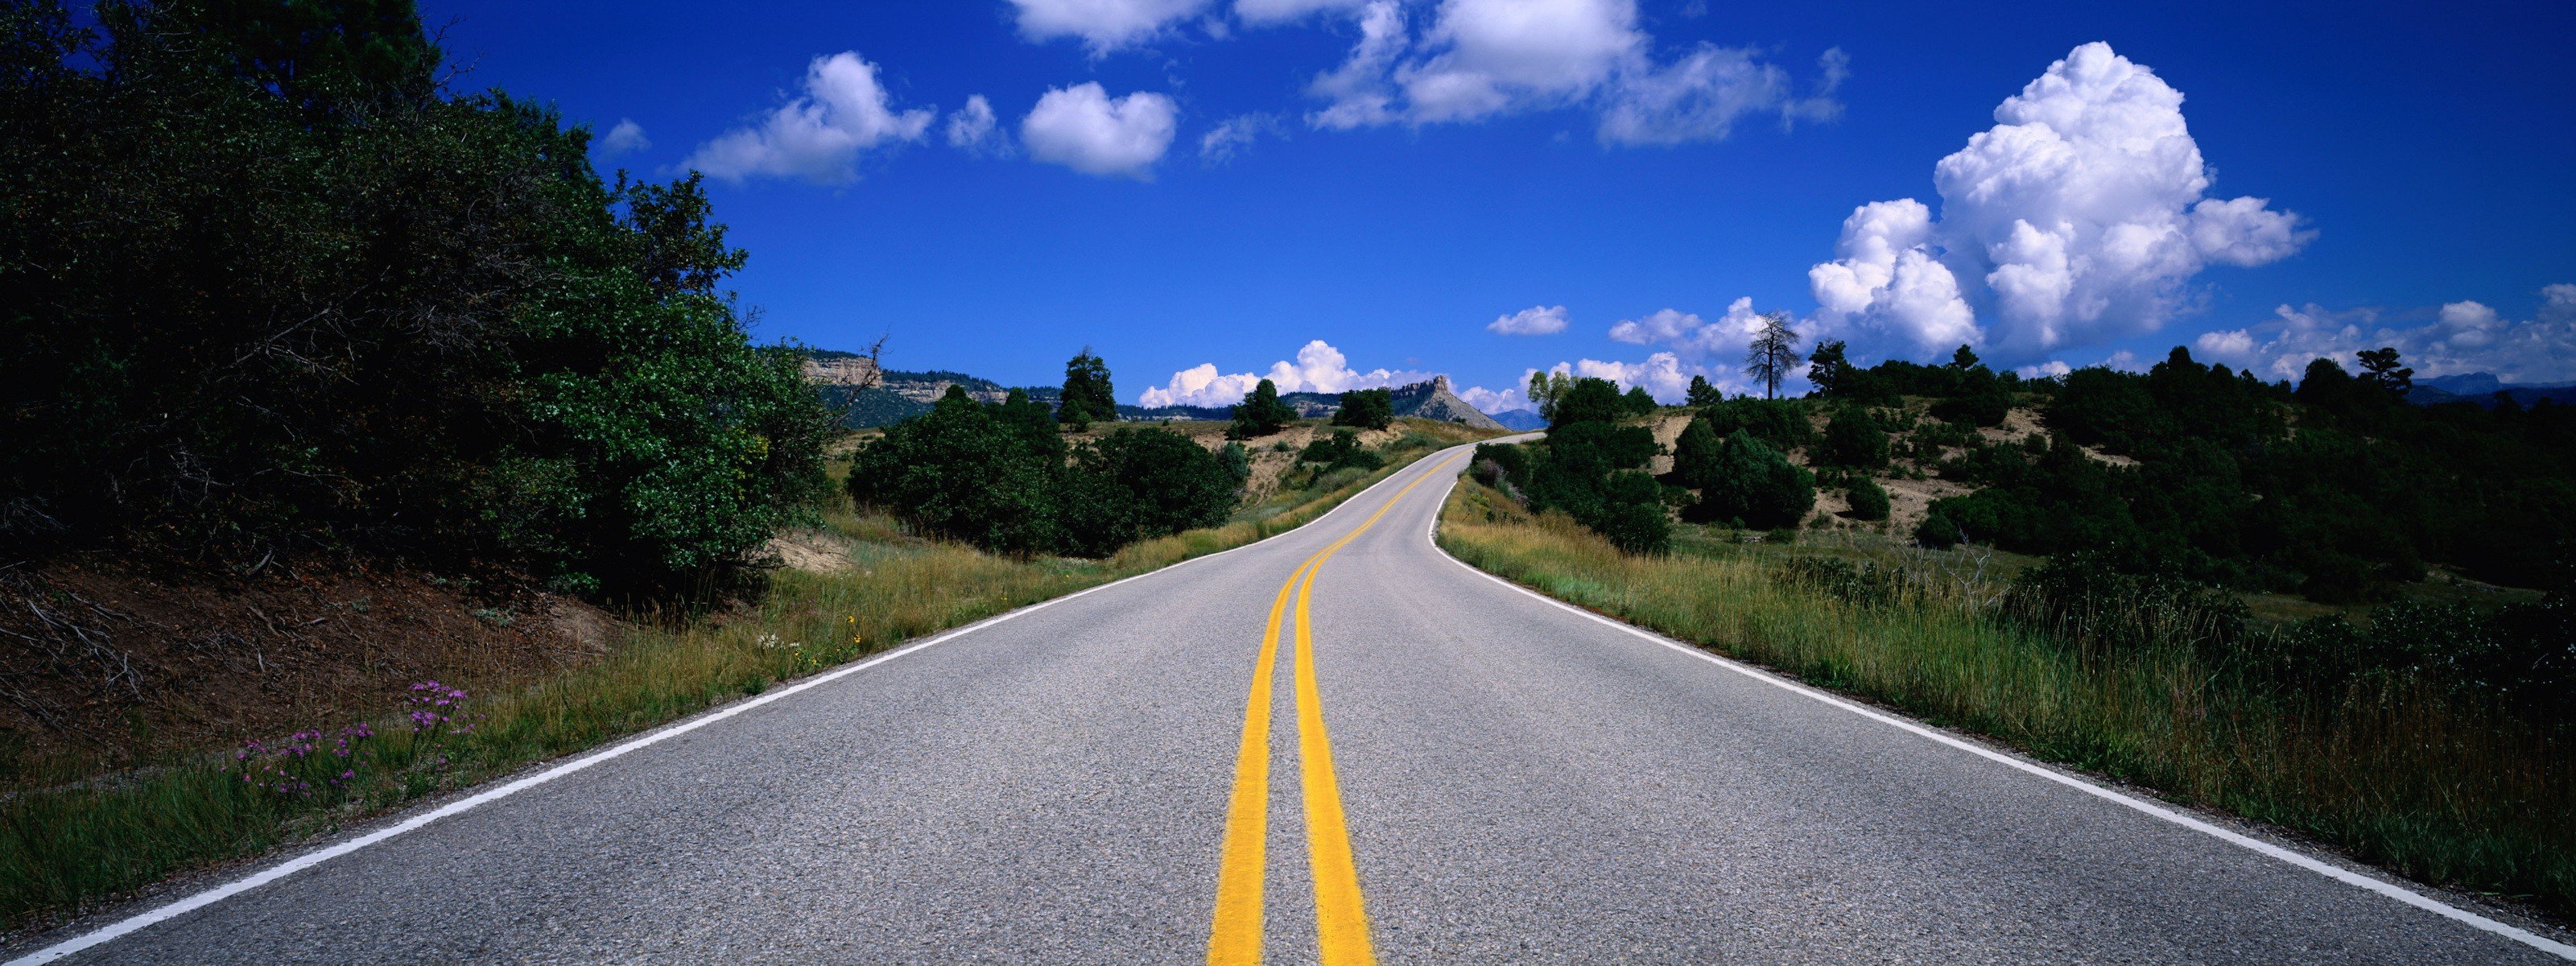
(2440, 788)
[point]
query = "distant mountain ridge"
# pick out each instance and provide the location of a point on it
(2481, 388)
(899, 395)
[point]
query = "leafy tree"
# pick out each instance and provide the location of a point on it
(267, 288)
(1587, 400)
(1545, 388)
(1756, 486)
(1702, 393)
(962, 473)
(1366, 409)
(1696, 456)
(2379, 367)
(1087, 396)
(1137, 484)
(1868, 499)
(1773, 353)
(1855, 439)
(1638, 402)
(1826, 367)
(1261, 413)
(1779, 422)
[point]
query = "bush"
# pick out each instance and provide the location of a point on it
(1868, 499)
(1588, 400)
(983, 475)
(1755, 486)
(1855, 439)
(1637, 402)
(1698, 457)
(1340, 450)
(1779, 423)
(1261, 413)
(1366, 409)
(265, 287)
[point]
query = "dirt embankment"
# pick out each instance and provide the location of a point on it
(104, 665)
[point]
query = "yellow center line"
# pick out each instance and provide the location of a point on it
(1341, 920)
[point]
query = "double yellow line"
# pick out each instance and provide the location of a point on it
(1341, 921)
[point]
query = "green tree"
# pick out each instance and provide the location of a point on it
(1773, 353)
(1366, 409)
(1545, 388)
(1697, 455)
(1140, 483)
(1868, 499)
(1587, 400)
(960, 472)
(2379, 367)
(1826, 367)
(1855, 439)
(268, 289)
(1964, 359)
(1702, 393)
(1087, 397)
(1756, 486)
(1261, 413)
(1638, 402)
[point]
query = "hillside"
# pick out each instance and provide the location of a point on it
(845, 380)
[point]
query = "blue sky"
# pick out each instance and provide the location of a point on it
(1406, 177)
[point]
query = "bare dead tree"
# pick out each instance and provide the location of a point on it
(1773, 353)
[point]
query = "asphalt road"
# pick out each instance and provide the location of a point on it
(1516, 783)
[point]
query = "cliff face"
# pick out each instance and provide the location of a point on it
(1434, 400)
(851, 371)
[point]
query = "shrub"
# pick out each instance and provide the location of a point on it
(1339, 450)
(270, 288)
(1588, 400)
(1855, 439)
(1868, 499)
(1698, 456)
(1779, 423)
(1261, 413)
(1755, 486)
(1366, 409)
(1138, 484)
(1637, 402)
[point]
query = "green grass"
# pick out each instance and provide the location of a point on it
(2436, 787)
(69, 849)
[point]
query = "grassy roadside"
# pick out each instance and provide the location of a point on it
(66, 850)
(2439, 789)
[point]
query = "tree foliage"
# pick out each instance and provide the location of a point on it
(267, 287)
(1366, 409)
(1087, 396)
(1261, 413)
(1755, 486)
(1000, 478)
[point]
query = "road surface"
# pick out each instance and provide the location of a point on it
(1110, 779)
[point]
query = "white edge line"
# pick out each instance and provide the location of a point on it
(2267, 849)
(143, 920)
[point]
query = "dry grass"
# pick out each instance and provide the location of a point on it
(68, 849)
(2439, 789)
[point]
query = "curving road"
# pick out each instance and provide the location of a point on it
(1509, 781)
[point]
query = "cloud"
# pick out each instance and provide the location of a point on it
(2460, 337)
(1318, 368)
(1535, 320)
(1699, 347)
(1702, 95)
(973, 129)
(1662, 374)
(626, 137)
(2046, 370)
(1486, 58)
(1663, 326)
(1081, 128)
(1282, 11)
(1103, 25)
(2079, 218)
(1231, 136)
(819, 135)
(1495, 400)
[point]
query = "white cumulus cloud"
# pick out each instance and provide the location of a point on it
(2461, 337)
(1478, 59)
(1318, 368)
(1103, 25)
(1535, 320)
(819, 134)
(626, 137)
(1495, 400)
(1696, 346)
(2079, 218)
(973, 128)
(1082, 128)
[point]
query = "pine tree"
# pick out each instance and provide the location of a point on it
(1827, 366)
(2379, 366)
(1703, 393)
(1773, 353)
(1087, 396)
